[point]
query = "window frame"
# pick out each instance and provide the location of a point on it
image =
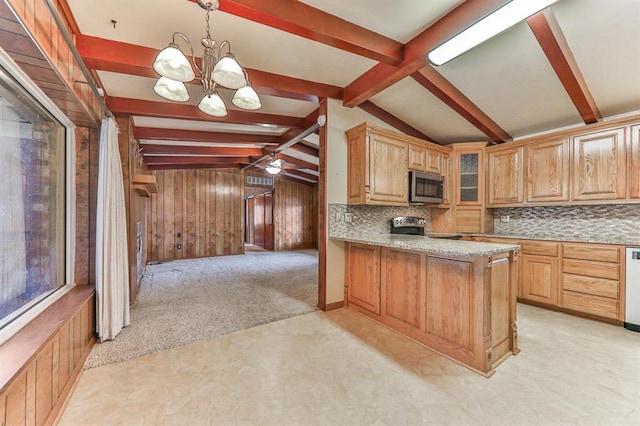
(32, 88)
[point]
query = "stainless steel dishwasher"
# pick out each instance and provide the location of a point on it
(632, 308)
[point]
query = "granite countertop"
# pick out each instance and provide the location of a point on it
(601, 239)
(428, 245)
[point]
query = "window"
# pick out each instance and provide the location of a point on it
(33, 204)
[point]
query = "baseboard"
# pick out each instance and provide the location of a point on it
(65, 395)
(334, 305)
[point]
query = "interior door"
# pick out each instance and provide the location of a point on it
(259, 218)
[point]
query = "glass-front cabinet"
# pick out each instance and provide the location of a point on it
(470, 175)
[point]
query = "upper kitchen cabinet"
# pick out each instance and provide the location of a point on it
(469, 167)
(377, 172)
(599, 165)
(634, 160)
(379, 162)
(547, 174)
(505, 176)
(425, 160)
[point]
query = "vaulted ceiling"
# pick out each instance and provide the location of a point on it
(574, 63)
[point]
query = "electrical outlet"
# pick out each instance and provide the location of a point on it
(504, 218)
(347, 217)
(339, 217)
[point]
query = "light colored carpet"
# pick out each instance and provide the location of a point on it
(184, 301)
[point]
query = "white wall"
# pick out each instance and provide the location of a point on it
(339, 119)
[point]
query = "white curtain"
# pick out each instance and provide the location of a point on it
(112, 270)
(13, 268)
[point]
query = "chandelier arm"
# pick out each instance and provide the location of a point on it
(186, 39)
(228, 48)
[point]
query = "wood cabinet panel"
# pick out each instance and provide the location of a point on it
(434, 161)
(542, 248)
(634, 162)
(540, 279)
(599, 165)
(388, 179)
(403, 275)
(417, 157)
(500, 308)
(593, 305)
(591, 285)
(505, 176)
(357, 166)
(609, 271)
(547, 175)
(363, 275)
(596, 252)
(449, 302)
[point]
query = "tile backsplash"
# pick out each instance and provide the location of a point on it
(573, 222)
(370, 219)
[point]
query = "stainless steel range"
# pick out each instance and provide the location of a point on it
(411, 225)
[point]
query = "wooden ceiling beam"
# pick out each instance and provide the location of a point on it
(153, 133)
(295, 161)
(384, 75)
(547, 31)
(124, 58)
(173, 159)
(148, 149)
(193, 166)
(434, 82)
(392, 120)
(305, 149)
(297, 180)
(191, 112)
(300, 174)
(298, 18)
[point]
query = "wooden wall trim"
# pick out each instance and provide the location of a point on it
(334, 305)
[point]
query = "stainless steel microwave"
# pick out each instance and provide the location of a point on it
(425, 187)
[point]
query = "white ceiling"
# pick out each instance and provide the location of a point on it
(508, 78)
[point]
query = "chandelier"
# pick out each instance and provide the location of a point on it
(175, 69)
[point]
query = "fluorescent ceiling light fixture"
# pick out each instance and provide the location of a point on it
(507, 16)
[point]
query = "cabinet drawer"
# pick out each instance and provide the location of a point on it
(594, 305)
(609, 271)
(542, 248)
(591, 285)
(598, 252)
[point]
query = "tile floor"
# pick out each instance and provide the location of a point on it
(341, 368)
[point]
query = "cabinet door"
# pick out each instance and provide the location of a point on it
(634, 162)
(388, 175)
(446, 171)
(539, 279)
(433, 162)
(358, 176)
(548, 171)
(417, 157)
(363, 276)
(599, 161)
(469, 179)
(403, 275)
(506, 183)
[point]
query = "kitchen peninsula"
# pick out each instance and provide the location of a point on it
(455, 297)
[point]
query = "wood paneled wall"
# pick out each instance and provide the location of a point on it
(204, 207)
(295, 215)
(33, 390)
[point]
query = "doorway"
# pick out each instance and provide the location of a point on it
(258, 209)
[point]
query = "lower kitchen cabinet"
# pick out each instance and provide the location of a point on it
(593, 280)
(403, 275)
(363, 276)
(539, 281)
(578, 278)
(539, 272)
